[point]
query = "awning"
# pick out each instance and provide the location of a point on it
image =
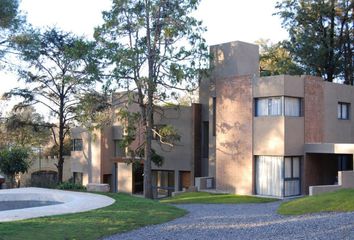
(334, 148)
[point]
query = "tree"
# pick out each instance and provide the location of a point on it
(25, 127)
(60, 69)
(153, 47)
(321, 36)
(10, 21)
(276, 60)
(13, 162)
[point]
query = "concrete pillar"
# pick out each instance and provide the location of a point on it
(177, 181)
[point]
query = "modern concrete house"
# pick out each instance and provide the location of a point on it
(99, 158)
(273, 136)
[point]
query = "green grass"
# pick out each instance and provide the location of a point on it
(204, 197)
(125, 214)
(338, 201)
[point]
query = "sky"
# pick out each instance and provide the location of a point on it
(226, 20)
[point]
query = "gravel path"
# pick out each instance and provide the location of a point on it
(246, 221)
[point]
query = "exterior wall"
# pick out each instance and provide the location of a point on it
(125, 177)
(107, 151)
(269, 136)
(180, 156)
(337, 130)
(197, 160)
(345, 180)
(294, 136)
(46, 164)
(234, 59)
(314, 109)
(234, 66)
(87, 161)
(234, 160)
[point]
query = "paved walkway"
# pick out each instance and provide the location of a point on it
(246, 221)
(70, 202)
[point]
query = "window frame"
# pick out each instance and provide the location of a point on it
(75, 144)
(282, 106)
(340, 115)
(292, 168)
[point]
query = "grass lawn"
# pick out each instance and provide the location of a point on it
(125, 214)
(204, 197)
(338, 201)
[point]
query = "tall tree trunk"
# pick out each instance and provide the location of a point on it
(61, 142)
(331, 63)
(148, 193)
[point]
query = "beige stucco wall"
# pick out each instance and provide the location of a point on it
(125, 177)
(46, 164)
(281, 85)
(294, 136)
(87, 161)
(234, 59)
(179, 157)
(268, 135)
(336, 130)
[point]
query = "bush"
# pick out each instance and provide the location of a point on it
(71, 186)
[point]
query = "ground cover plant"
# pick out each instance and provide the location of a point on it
(126, 214)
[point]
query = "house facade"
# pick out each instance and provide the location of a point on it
(272, 136)
(98, 156)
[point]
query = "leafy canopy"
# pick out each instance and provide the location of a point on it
(14, 161)
(321, 36)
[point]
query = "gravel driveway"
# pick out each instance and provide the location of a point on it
(246, 221)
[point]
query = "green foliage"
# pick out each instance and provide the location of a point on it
(53, 150)
(276, 60)
(60, 69)
(14, 161)
(321, 36)
(10, 21)
(154, 47)
(126, 214)
(8, 13)
(71, 186)
(168, 134)
(338, 201)
(25, 127)
(155, 158)
(204, 197)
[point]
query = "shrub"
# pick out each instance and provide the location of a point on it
(71, 186)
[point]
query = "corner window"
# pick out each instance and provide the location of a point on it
(278, 106)
(77, 144)
(343, 110)
(292, 167)
(269, 106)
(292, 106)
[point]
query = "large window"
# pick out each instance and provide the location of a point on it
(278, 176)
(292, 106)
(343, 110)
(269, 106)
(278, 106)
(77, 144)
